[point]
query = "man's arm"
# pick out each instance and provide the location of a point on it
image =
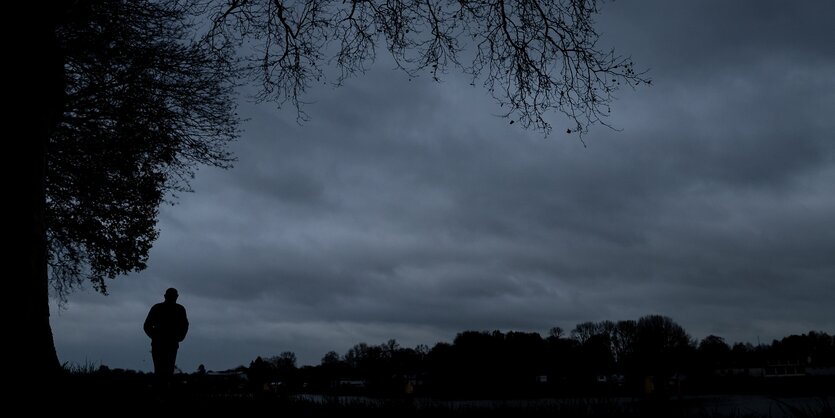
(150, 320)
(183, 324)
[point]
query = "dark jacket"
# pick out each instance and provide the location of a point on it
(167, 323)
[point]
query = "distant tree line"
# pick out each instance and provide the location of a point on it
(651, 356)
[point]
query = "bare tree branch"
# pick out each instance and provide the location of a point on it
(533, 56)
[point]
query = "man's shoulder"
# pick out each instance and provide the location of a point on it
(155, 311)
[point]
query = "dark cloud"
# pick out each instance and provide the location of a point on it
(407, 209)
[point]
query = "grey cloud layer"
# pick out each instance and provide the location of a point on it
(407, 210)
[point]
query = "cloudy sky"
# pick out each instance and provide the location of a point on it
(410, 210)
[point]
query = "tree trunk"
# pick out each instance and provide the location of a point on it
(37, 107)
(39, 348)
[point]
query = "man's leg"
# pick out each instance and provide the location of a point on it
(164, 356)
(159, 361)
(170, 359)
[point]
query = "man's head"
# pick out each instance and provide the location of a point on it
(171, 295)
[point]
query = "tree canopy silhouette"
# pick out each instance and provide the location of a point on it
(144, 104)
(129, 97)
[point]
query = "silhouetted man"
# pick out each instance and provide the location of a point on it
(167, 325)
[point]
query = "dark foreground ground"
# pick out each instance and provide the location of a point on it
(722, 406)
(136, 396)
